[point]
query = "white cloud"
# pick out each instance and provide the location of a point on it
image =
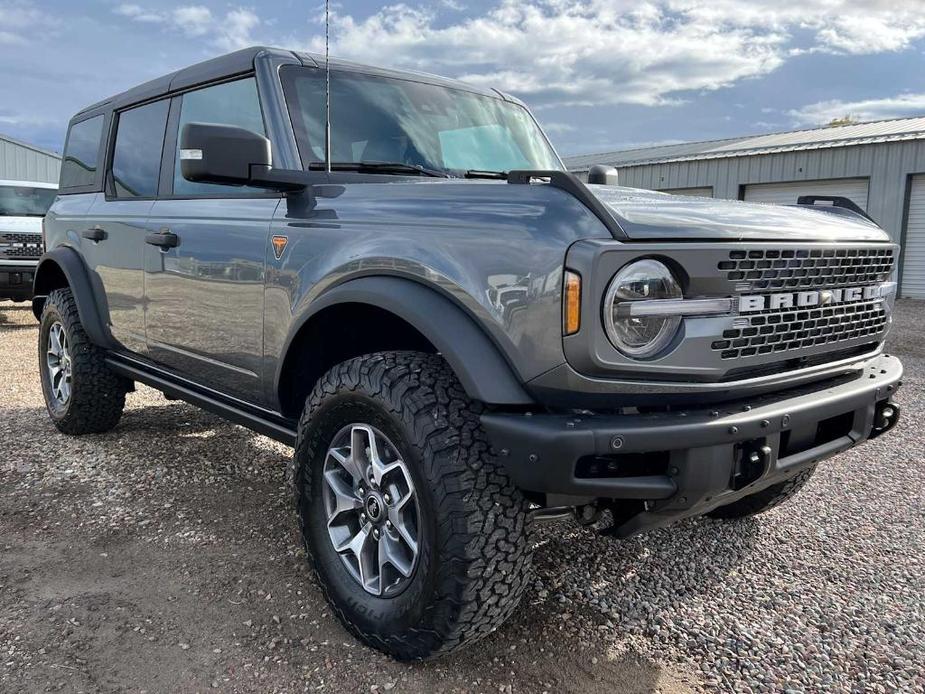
(236, 29)
(566, 52)
(555, 128)
(574, 52)
(194, 20)
(227, 32)
(899, 106)
(138, 13)
(21, 21)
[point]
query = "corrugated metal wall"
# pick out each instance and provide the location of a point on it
(22, 163)
(887, 165)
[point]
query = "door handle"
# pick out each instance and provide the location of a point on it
(163, 238)
(95, 234)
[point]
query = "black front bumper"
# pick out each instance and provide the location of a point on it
(16, 281)
(687, 462)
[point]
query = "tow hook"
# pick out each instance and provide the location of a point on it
(885, 418)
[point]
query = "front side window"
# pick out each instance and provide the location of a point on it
(232, 103)
(25, 201)
(81, 152)
(381, 119)
(136, 158)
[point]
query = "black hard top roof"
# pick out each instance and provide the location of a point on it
(242, 61)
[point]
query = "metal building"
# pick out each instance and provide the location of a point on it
(22, 162)
(879, 165)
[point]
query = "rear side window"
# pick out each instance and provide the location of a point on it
(136, 158)
(81, 152)
(232, 103)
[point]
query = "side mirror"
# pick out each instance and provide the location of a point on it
(228, 155)
(211, 153)
(605, 175)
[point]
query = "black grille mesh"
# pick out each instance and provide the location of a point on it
(807, 269)
(792, 329)
(32, 250)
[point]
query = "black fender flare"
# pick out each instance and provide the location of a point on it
(483, 371)
(66, 261)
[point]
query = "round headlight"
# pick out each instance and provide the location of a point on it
(640, 336)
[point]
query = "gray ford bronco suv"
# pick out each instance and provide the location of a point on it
(458, 337)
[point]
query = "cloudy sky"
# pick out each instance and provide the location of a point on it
(599, 74)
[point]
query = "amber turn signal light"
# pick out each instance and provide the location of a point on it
(571, 309)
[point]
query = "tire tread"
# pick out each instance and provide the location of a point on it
(485, 553)
(97, 394)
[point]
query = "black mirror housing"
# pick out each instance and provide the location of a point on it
(212, 153)
(605, 175)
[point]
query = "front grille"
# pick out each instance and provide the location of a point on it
(20, 246)
(786, 330)
(759, 269)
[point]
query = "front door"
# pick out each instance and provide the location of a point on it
(204, 295)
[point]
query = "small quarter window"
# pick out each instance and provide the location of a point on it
(81, 153)
(136, 159)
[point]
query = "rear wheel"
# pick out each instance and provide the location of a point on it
(82, 395)
(765, 500)
(417, 536)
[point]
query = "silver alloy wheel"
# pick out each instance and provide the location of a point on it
(58, 360)
(372, 512)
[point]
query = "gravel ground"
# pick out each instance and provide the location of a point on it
(163, 556)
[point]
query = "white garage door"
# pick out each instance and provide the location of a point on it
(855, 189)
(913, 279)
(706, 192)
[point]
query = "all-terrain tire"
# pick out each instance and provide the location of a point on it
(765, 500)
(474, 534)
(97, 395)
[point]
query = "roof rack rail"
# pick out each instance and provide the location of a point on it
(571, 184)
(838, 201)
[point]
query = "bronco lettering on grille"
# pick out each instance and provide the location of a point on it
(824, 297)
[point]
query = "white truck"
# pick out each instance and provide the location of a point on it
(23, 205)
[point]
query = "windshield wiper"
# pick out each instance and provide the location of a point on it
(477, 173)
(385, 167)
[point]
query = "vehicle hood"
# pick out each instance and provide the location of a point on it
(20, 225)
(646, 215)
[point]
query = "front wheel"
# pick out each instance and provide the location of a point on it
(82, 395)
(417, 536)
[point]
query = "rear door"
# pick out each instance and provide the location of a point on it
(113, 240)
(204, 295)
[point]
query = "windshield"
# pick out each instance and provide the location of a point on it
(25, 201)
(381, 119)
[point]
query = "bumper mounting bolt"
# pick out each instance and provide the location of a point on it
(733, 430)
(616, 443)
(765, 424)
(533, 457)
(785, 420)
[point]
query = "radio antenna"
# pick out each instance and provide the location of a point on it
(327, 87)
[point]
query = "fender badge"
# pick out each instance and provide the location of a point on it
(279, 245)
